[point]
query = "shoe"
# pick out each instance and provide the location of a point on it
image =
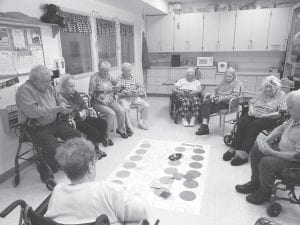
(104, 142)
(228, 155)
(203, 130)
(142, 126)
(122, 134)
(258, 197)
(192, 121)
(247, 188)
(184, 122)
(100, 154)
(237, 161)
(110, 143)
(129, 132)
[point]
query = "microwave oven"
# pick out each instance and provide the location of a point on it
(205, 61)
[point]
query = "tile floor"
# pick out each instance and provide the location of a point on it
(221, 204)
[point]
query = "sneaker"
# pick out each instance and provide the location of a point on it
(142, 126)
(237, 161)
(110, 142)
(100, 153)
(228, 155)
(247, 188)
(129, 132)
(203, 130)
(122, 134)
(105, 142)
(184, 122)
(192, 121)
(258, 197)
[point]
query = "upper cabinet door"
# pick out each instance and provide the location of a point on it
(167, 33)
(226, 30)
(195, 32)
(260, 29)
(211, 31)
(181, 32)
(153, 33)
(242, 40)
(279, 28)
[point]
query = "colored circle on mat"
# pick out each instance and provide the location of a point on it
(122, 174)
(197, 157)
(174, 163)
(190, 184)
(189, 176)
(136, 158)
(187, 195)
(180, 149)
(145, 145)
(141, 151)
(160, 190)
(117, 181)
(129, 165)
(170, 170)
(166, 180)
(194, 173)
(195, 165)
(198, 151)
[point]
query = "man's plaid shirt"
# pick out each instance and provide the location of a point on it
(127, 85)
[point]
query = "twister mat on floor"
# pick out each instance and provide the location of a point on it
(172, 185)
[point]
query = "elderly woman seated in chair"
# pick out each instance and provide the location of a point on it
(263, 114)
(187, 91)
(228, 88)
(86, 118)
(84, 199)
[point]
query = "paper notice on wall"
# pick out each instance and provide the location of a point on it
(24, 63)
(7, 63)
(37, 57)
(4, 41)
(34, 39)
(18, 39)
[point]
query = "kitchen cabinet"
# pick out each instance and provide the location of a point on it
(155, 78)
(226, 30)
(279, 29)
(251, 32)
(188, 32)
(210, 32)
(160, 33)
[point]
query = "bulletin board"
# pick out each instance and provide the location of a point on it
(20, 49)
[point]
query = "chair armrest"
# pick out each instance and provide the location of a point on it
(207, 95)
(233, 104)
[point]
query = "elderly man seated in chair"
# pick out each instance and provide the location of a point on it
(268, 160)
(39, 102)
(129, 90)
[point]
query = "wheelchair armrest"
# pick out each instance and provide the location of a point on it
(12, 206)
(233, 104)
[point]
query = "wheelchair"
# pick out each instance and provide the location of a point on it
(174, 105)
(33, 154)
(28, 216)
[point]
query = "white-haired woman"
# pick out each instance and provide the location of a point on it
(263, 114)
(187, 91)
(86, 121)
(84, 199)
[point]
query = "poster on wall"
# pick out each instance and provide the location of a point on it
(4, 40)
(18, 39)
(7, 63)
(34, 39)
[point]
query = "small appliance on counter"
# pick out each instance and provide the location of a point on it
(205, 61)
(175, 60)
(222, 66)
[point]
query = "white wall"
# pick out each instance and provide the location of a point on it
(52, 51)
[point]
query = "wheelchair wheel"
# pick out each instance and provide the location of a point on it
(274, 209)
(228, 140)
(50, 184)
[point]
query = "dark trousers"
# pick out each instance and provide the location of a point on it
(93, 128)
(248, 129)
(46, 137)
(266, 169)
(209, 107)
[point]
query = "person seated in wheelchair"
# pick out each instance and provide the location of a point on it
(102, 93)
(129, 90)
(269, 160)
(38, 101)
(229, 87)
(263, 114)
(84, 199)
(187, 91)
(86, 119)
